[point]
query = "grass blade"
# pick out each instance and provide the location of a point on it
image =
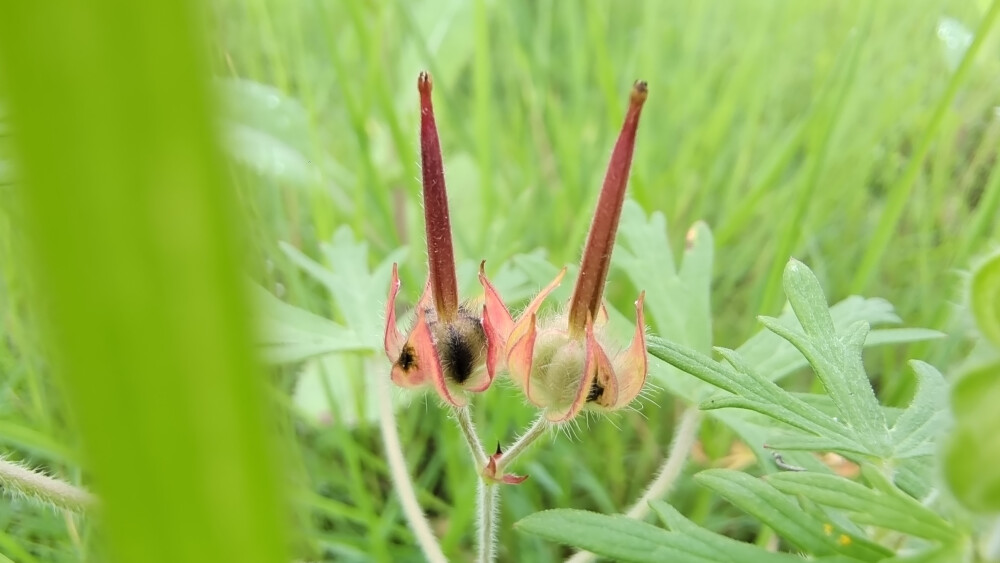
(136, 249)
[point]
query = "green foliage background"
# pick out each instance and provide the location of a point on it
(844, 133)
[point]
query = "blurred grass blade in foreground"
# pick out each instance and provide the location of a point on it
(132, 230)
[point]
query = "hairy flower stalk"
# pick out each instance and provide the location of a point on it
(562, 363)
(446, 347)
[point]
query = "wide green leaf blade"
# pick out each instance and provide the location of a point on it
(136, 248)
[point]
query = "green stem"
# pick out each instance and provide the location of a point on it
(489, 493)
(684, 439)
(464, 419)
(537, 430)
(488, 500)
(489, 506)
(403, 486)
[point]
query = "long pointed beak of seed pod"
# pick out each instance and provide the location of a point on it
(440, 255)
(589, 290)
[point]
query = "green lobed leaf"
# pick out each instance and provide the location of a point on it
(726, 548)
(289, 334)
(835, 359)
(776, 357)
(771, 355)
(751, 391)
(787, 402)
(786, 517)
(927, 416)
(677, 301)
(616, 537)
(358, 291)
(867, 506)
(948, 553)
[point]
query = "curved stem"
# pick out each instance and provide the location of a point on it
(535, 431)
(401, 478)
(19, 479)
(489, 498)
(463, 417)
(489, 493)
(683, 441)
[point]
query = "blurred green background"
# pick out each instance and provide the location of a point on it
(844, 133)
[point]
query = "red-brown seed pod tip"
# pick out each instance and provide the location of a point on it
(424, 82)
